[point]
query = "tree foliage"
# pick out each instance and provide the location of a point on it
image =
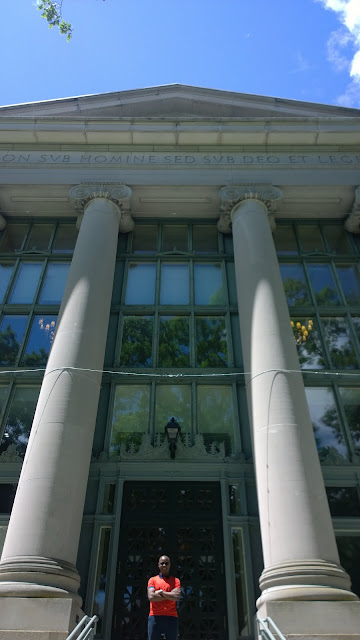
(51, 11)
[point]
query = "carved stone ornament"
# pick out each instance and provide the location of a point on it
(352, 222)
(83, 193)
(185, 451)
(231, 196)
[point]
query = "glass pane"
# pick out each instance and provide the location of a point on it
(26, 283)
(13, 237)
(39, 237)
(310, 238)
(308, 343)
(343, 501)
(173, 401)
(12, 331)
(136, 348)
(141, 284)
(285, 241)
(130, 417)
(215, 420)
(205, 239)
(323, 284)
(174, 348)
(234, 499)
(240, 583)
(209, 287)
(109, 498)
(211, 344)
(325, 419)
(294, 281)
(175, 238)
(6, 271)
(19, 419)
(7, 496)
(337, 239)
(349, 277)
(349, 552)
(174, 284)
(145, 239)
(339, 343)
(101, 576)
(40, 341)
(350, 397)
(54, 283)
(65, 238)
(3, 395)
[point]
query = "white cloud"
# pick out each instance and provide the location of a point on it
(344, 46)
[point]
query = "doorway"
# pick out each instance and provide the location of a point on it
(182, 520)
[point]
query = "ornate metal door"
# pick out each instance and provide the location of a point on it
(182, 520)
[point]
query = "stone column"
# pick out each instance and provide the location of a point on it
(300, 553)
(352, 222)
(40, 550)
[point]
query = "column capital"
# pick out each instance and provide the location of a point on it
(352, 222)
(231, 196)
(120, 195)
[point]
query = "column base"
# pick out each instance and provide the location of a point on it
(38, 618)
(38, 577)
(315, 620)
(305, 580)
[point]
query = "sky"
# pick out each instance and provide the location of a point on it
(305, 50)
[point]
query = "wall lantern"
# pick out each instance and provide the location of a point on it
(172, 431)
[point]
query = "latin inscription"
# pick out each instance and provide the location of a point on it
(173, 159)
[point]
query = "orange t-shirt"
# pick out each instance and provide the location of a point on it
(167, 607)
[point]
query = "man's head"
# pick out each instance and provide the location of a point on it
(164, 565)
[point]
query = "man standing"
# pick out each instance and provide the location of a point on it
(163, 594)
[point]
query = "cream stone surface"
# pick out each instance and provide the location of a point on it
(298, 540)
(37, 618)
(41, 546)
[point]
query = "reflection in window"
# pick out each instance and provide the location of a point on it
(101, 576)
(215, 418)
(240, 582)
(350, 397)
(19, 419)
(6, 271)
(350, 281)
(209, 287)
(343, 501)
(39, 237)
(174, 349)
(26, 283)
(205, 239)
(136, 348)
(175, 238)
(323, 284)
(211, 345)
(174, 284)
(141, 284)
(12, 329)
(339, 343)
(310, 238)
(173, 401)
(130, 417)
(65, 238)
(349, 552)
(325, 419)
(54, 283)
(144, 239)
(285, 241)
(337, 239)
(40, 340)
(13, 237)
(295, 286)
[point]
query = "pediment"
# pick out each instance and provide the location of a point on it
(174, 102)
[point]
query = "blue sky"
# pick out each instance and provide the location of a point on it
(298, 49)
